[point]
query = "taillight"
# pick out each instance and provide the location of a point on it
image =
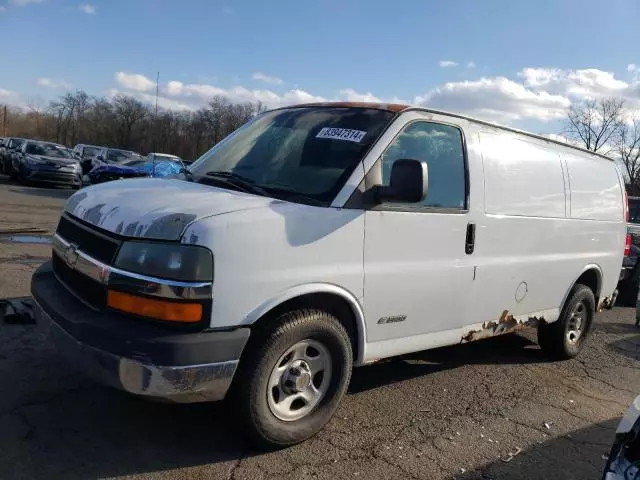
(627, 245)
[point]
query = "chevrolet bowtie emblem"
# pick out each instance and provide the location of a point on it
(71, 256)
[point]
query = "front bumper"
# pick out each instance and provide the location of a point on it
(53, 176)
(133, 355)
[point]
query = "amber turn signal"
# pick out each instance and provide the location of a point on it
(159, 309)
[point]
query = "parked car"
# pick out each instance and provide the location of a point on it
(115, 156)
(629, 283)
(624, 459)
(47, 163)
(163, 167)
(2, 142)
(85, 155)
(11, 144)
(364, 232)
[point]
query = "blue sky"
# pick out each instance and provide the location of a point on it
(511, 61)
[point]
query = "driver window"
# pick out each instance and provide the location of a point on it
(440, 147)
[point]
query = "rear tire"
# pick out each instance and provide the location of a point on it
(566, 337)
(294, 372)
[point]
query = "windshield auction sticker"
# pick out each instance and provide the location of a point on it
(341, 134)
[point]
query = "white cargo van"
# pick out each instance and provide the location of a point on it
(321, 237)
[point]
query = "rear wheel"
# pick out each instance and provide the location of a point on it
(565, 338)
(293, 375)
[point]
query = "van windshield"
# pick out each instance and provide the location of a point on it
(297, 153)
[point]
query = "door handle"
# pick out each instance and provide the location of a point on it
(470, 239)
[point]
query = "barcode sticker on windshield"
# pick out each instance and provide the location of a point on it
(341, 134)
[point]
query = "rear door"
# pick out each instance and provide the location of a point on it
(418, 274)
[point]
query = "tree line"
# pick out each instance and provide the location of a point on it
(606, 126)
(127, 123)
(600, 125)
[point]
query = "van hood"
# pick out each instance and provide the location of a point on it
(153, 208)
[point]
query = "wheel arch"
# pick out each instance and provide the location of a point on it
(590, 276)
(336, 300)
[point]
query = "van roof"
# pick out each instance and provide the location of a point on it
(399, 107)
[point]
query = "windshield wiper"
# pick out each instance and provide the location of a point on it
(238, 181)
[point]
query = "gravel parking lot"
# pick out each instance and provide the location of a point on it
(492, 409)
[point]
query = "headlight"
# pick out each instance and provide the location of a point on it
(187, 263)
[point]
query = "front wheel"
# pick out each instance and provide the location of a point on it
(565, 338)
(294, 373)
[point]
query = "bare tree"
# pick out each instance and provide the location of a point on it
(125, 122)
(628, 148)
(596, 123)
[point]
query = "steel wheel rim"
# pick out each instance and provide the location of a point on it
(299, 380)
(576, 324)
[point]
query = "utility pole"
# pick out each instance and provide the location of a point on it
(155, 135)
(157, 84)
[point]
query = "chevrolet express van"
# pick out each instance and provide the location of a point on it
(320, 237)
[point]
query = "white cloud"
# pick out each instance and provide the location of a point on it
(134, 81)
(12, 98)
(351, 95)
(632, 67)
(267, 78)
(559, 138)
(497, 99)
(534, 94)
(54, 84)
(447, 63)
(471, 64)
(586, 83)
(87, 8)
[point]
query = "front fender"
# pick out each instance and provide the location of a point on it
(311, 288)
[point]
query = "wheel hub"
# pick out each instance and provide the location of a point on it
(575, 325)
(297, 379)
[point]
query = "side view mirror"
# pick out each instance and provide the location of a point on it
(408, 182)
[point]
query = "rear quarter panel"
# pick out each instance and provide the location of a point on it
(530, 249)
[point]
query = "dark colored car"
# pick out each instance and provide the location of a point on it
(48, 163)
(115, 156)
(7, 153)
(85, 155)
(136, 168)
(630, 274)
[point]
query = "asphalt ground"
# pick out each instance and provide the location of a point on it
(491, 409)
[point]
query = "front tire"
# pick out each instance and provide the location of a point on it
(566, 337)
(294, 373)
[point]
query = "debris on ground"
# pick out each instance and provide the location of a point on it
(17, 311)
(547, 425)
(510, 455)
